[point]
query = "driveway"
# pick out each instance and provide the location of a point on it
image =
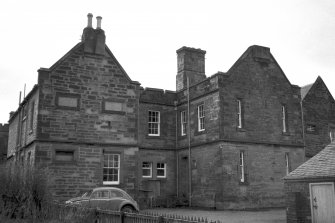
(273, 216)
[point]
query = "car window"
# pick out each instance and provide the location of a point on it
(100, 194)
(116, 194)
(87, 194)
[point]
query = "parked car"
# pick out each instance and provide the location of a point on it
(107, 198)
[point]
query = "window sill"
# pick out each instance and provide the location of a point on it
(199, 132)
(243, 183)
(110, 183)
(240, 129)
(153, 136)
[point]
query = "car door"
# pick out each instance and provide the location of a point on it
(99, 199)
(116, 198)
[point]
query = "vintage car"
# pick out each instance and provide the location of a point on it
(106, 198)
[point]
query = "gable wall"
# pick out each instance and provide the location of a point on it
(93, 78)
(263, 89)
(318, 110)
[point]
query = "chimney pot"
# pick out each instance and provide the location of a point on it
(89, 20)
(99, 22)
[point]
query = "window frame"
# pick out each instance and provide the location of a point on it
(154, 123)
(287, 163)
(242, 178)
(147, 168)
(332, 134)
(239, 114)
(160, 168)
(201, 117)
(284, 119)
(118, 168)
(183, 122)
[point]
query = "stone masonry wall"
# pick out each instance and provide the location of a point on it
(298, 202)
(4, 129)
(318, 110)
(205, 93)
(69, 179)
(215, 175)
(93, 80)
(155, 187)
(23, 123)
(260, 84)
(157, 100)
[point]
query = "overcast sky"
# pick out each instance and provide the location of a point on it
(144, 36)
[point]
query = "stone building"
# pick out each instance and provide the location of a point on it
(223, 141)
(319, 116)
(3, 141)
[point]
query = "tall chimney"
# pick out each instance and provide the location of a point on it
(89, 20)
(99, 22)
(94, 39)
(191, 64)
(100, 38)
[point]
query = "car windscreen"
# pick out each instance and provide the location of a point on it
(87, 193)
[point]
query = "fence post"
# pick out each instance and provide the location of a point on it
(122, 217)
(160, 219)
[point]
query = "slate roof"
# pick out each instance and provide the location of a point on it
(304, 90)
(322, 165)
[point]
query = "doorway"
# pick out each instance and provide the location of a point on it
(322, 202)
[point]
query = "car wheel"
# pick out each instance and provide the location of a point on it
(128, 209)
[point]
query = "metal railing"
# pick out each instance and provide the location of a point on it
(104, 216)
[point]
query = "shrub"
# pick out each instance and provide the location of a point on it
(23, 192)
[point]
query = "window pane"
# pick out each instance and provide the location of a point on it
(111, 168)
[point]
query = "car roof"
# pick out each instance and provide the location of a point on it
(108, 188)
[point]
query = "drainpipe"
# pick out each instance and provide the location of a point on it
(176, 152)
(303, 126)
(189, 144)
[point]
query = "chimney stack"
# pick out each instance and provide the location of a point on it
(89, 20)
(99, 22)
(191, 64)
(94, 39)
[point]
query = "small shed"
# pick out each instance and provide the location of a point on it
(309, 189)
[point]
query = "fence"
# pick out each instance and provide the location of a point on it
(84, 215)
(120, 217)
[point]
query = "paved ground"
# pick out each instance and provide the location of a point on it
(272, 216)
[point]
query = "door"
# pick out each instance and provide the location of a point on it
(322, 202)
(99, 199)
